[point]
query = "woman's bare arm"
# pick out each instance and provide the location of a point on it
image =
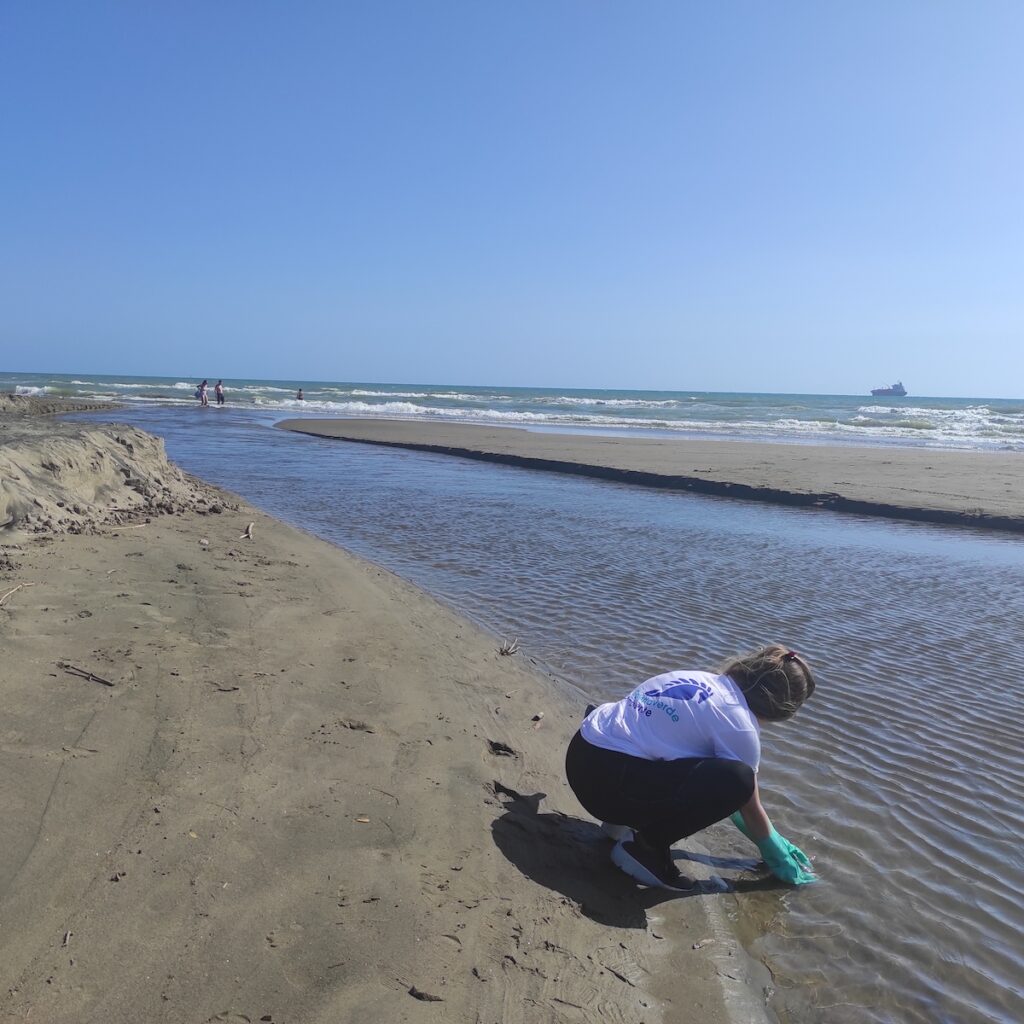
(755, 818)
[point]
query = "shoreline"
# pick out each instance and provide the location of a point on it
(275, 792)
(945, 487)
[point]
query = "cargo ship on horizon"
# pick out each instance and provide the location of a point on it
(896, 390)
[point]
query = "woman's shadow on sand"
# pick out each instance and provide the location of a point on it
(571, 856)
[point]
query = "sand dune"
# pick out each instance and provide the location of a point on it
(71, 477)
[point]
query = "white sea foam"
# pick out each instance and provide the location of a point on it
(448, 396)
(616, 403)
(132, 385)
(966, 424)
(383, 394)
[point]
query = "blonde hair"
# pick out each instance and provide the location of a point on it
(775, 681)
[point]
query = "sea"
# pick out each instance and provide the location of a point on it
(973, 423)
(902, 778)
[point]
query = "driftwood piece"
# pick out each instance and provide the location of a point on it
(83, 673)
(248, 532)
(14, 590)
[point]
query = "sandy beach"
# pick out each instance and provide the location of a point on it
(982, 489)
(257, 778)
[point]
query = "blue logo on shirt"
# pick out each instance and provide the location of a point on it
(687, 689)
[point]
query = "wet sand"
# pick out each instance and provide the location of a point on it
(33, 405)
(259, 778)
(982, 489)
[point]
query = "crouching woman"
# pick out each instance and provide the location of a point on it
(681, 752)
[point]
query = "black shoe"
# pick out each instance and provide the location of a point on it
(649, 865)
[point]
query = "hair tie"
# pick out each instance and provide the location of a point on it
(790, 656)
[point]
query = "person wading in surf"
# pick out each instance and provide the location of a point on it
(681, 752)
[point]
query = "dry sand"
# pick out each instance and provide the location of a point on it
(309, 793)
(963, 488)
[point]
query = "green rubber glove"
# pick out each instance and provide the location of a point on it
(785, 861)
(737, 819)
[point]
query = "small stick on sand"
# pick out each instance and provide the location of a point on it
(74, 670)
(424, 997)
(248, 532)
(14, 591)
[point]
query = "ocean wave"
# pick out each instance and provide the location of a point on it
(360, 392)
(414, 410)
(529, 399)
(25, 389)
(134, 385)
(966, 413)
(908, 424)
(890, 432)
(969, 421)
(445, 396)
(614, 403)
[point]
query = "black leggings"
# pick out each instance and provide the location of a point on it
(664, 801)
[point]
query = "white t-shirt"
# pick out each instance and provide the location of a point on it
(679, 714)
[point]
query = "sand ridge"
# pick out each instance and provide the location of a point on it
(981, 489)
(61, 477)
(294, 803)
(42, 405)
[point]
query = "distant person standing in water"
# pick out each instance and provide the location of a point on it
(299, 397)
(681, 752)
(204, 398)
(219, 392)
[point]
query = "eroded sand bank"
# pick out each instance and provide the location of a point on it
(297, 800)
(965, 488)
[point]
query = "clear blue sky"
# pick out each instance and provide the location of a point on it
(723, 196)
